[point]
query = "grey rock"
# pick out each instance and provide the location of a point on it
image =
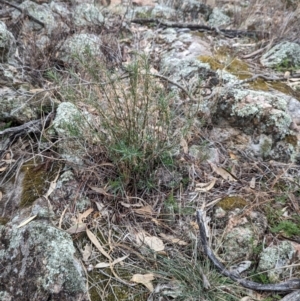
(193, 7)
(273, 258)
(22, 106)
(7, 43)
(37, 262)
(42, 13)
(164, 12)
(81, 46)
(87, 15)
(244, 108)
(72, 127)
(218, 18)
(285, 54)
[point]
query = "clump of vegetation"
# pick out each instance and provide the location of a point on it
(37, 178)
(232, 202)
(192, 278)
(136, 122)
(288, 228)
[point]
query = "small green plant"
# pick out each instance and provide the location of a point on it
(136, 123)
(261, 278)
(187, 277)
(289, 228)
(5, 126)
(273, 215)
(285, 65)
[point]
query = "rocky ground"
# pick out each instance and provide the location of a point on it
(119, 120)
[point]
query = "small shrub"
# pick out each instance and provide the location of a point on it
(287, 227)
(136, 121)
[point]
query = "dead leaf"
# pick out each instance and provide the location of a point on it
(194, 225)
(222, 172)
(146, 210)
(85, 214)
(106, 264)
(95, 241)
(126, 205)
(252, 183)
(232, 156)
(184, 146)
(144, 279)
(86, 253)
(1, 195)
(173, 239)
(3, 168)
(27, 221)
(77, 228)
(202, 187)
(52, 185)
(36, 90)
(155, 243)
(100, 190)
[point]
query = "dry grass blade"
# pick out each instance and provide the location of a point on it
(96, 243)
(28, 220)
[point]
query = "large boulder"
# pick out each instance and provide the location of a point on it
(38, 263)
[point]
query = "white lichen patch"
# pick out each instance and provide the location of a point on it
(273, 258)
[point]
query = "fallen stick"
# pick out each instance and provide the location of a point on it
(287, 286)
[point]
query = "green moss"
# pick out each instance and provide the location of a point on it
(234, 66)
(222, 61)
(36, 180)
(232, 202)
(259, 84)
(284, 88)
(288, 228)
(291, 139)
(3, 220)
(266, 147)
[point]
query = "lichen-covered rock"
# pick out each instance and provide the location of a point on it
(7, 43)
(22, 106)
(73, 127)
(242, 235)
(283, 55)
(38, 263)
(87, 15)
(273, 258)
(164, 12)
(81, 46)
(218, 18)
(250, 110)
(42, 13)
(193, 7)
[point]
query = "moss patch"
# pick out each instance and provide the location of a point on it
(232, 202)
(37, 178)
(234, 66)
(241, 70)
(3, 221)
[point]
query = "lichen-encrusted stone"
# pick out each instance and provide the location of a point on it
(266, 111)
(273, 258)
(285, 54)
(218, 18)
(7, 43)
(73, 127)
(38, 263)
(22, 106)
(81, 46)
(42, 13)
(87, 15)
